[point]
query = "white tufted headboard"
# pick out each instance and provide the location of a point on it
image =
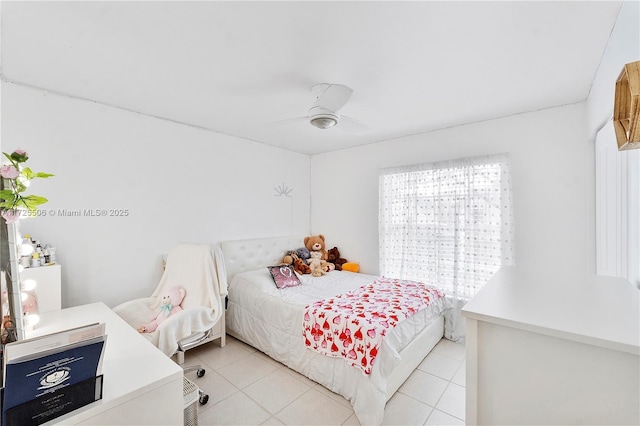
(252, 254)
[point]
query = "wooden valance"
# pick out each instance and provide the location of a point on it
(626, 108)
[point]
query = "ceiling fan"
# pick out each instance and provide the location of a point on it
(323, 114)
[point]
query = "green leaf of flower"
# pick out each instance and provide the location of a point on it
(8, 195)
(30, 174)
(20, 187)
(33, 200)
(42, 175)
(27, 173)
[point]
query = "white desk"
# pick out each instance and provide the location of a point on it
(141, 385)
(553, 349)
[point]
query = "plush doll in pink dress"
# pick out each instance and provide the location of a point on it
(169, 305)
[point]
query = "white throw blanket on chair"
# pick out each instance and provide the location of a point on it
(199, 269)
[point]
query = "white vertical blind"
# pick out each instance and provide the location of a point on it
(617, 208)
(448, 223)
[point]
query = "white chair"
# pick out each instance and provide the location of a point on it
(199, 269)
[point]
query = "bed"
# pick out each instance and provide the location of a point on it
(271, 320)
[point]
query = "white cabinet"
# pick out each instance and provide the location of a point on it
(48, 290)
(553, 350)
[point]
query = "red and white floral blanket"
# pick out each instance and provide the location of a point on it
(352, 325)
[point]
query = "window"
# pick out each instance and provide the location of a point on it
(448, 223)
(617, 208)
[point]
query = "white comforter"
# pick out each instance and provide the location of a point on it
(271, 319)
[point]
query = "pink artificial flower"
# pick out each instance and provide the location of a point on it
(20, 151)
(10, 216)
(9, 172)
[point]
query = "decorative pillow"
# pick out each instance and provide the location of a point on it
(284, 276)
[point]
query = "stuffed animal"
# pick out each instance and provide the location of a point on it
(303, 253)
(351, 267)
(299, 263)
(316, 243)
(289, 257)
(301, 267)
(169, 305)
(316, 265)
(333, 256)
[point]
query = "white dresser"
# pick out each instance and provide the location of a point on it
(553, 350)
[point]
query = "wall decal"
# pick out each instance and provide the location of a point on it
(282, 190)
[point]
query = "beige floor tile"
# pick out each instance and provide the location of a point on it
(215, 356)
(404, 410)
(450, 349)
(439, 365)
(314, 408)
(272, 421)
(453, 401)
(352, 421)
(238, 409)
(214, 385)
(438, 418)
(276, 390)
(246, 370)
(424, 387)
(460, 378)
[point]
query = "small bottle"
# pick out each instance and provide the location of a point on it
(35, 260)
(47, 256)
(25, 261)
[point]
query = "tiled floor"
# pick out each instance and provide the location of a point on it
(246, 387)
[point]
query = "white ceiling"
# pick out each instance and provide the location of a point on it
(235, 67)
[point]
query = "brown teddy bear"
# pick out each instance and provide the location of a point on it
(333, 256)
(316, 243)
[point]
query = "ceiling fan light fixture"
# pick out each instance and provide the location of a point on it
(324, 121)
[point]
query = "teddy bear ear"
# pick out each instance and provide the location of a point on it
(321, 237)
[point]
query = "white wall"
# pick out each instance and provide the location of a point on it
(548, 157)
(179, 184)
(553, 166)
(623, 47)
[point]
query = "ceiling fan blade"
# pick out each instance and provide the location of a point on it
(331, 96)
(351, 125)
